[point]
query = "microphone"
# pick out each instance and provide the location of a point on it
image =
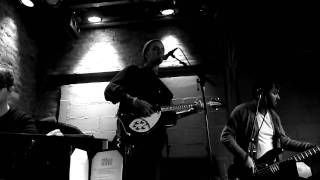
(260, 92)
(170, 53)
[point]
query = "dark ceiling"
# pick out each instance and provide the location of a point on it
(250, 22)
(281, 32)
(118, 12)
(126, 11)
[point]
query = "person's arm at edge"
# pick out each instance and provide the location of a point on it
(228, 136)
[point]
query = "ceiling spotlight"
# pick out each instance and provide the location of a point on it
(27, 3)
(94, 19)
(167, 12)
(53, 2)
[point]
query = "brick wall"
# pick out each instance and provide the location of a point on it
(18, 51)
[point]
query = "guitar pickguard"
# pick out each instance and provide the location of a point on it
(144, 124)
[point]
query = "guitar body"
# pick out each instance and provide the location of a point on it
(135, 125)
(139, 126)
(266, 167)
(238, 171)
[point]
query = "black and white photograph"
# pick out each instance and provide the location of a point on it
(159, 90)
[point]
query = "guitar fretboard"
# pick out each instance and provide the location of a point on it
(177, 107)
(297, 157)
(306, 154)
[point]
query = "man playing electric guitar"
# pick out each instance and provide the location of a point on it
(139, 89)
(253, 129)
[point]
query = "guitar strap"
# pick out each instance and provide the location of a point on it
(252, 148)
(118, 141)
(122, 141)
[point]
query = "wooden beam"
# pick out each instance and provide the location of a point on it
(64, 79)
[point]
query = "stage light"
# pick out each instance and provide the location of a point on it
(167, 12)
(53, 2)
(27, 3)
(94, 19)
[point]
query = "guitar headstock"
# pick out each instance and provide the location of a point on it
(215, 103)
(212, 103)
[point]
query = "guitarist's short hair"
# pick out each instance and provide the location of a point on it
(264, 83)
(6, 77)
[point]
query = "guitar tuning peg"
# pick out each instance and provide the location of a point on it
(217, 99)
(215, 102)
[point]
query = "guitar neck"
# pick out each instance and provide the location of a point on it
(187, 106)
(297, 157)
(180, 107)
(306, 154)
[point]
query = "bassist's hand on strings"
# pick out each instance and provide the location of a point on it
(249, 164)
(143, 107)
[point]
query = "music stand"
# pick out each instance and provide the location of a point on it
(38, 155)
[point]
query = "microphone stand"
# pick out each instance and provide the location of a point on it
(202, 80)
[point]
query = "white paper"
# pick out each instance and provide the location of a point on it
(107, 165)
(79, 165)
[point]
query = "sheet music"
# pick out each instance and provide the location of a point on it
(107, 165)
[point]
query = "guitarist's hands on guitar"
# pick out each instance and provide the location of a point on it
(249, 164)
(143, 107)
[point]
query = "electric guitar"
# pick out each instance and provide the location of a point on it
(266, 167)
(135, 125)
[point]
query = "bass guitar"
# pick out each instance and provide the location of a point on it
(266, 167)
(135, 125)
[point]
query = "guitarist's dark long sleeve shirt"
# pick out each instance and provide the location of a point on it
(142, 83)
(14, 149)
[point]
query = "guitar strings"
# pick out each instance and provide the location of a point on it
(275, 167)
(266, 170)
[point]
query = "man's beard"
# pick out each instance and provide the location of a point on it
(158, 61)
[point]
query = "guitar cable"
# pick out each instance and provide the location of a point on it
(124, 128)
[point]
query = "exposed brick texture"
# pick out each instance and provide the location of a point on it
(18, 51)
